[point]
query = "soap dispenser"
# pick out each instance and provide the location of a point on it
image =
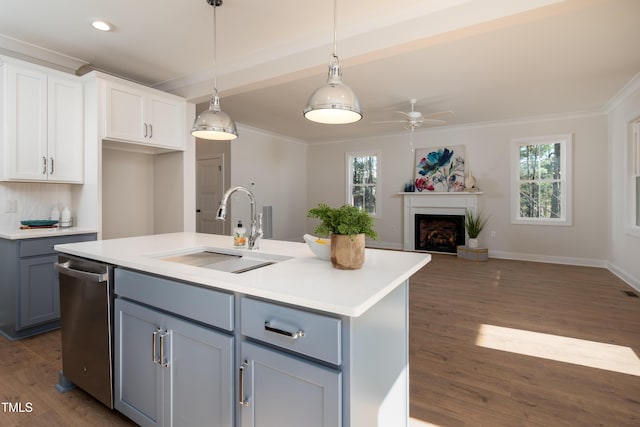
(239, 235)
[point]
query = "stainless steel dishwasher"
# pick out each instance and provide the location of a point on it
(86, 320)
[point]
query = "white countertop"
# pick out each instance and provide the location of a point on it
(304, 280)
(18, 234)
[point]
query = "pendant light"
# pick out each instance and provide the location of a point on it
(335, 102)
(214, 123)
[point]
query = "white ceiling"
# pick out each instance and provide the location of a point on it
(487, 60)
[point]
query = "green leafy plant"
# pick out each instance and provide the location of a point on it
(474, 224)
(347, 220)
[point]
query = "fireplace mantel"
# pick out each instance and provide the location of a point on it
(447, 203)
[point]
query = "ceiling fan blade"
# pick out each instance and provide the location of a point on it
(404, 113)
(388, 121)
(438, 114)
(434, 121)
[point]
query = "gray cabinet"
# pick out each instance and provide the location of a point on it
(280, 389)
(39, 291)
(250, 362)
(285, 379)
(170, 371)
(29, 289)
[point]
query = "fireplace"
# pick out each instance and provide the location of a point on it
(442, 205)
(439, 233)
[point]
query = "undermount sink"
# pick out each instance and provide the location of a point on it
(230, 263)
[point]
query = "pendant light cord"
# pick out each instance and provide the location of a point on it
(215, 51)
(335, 28)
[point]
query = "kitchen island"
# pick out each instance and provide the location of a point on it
(291, 342)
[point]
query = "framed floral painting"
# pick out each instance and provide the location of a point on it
(439, 169)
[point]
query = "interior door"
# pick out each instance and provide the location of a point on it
(209, 189)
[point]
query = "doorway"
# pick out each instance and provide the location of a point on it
(209, 190)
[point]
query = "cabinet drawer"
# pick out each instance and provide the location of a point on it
(44, 246)
(297, 330)
(204, 305)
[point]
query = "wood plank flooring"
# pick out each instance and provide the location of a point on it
(454, 382)
(28, 374)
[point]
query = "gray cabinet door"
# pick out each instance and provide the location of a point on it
(182, 376)
(39, 291)
(202, 382)
(138, 378)
(283, 390)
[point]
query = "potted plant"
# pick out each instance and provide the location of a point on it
(473, 224)
(348, 227)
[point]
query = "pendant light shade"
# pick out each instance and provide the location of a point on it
(214, 123)
(335, 102)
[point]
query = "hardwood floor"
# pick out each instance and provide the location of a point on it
(28, 374)
(454, 382)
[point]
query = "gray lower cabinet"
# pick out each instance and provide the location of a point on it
(29, 289)
(39, 291)
(279, 389)
(250, 362)
(169, 371)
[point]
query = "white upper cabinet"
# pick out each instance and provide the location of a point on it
(42, 125)
(135, 113)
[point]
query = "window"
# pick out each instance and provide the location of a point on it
(541, 180)
(363, 181)
(634, 176)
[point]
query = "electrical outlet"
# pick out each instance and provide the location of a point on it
(493, 233)
(12, 206)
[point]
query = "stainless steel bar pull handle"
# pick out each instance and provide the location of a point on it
(241, 399)
(293, 335)
(150, 131)
(163, 362)
(44, 165)
(51, 168)
(66, 269)
(146, 131)
(154, 356)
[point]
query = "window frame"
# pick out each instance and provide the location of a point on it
(632, 222)
(566, 180)
(349, 178)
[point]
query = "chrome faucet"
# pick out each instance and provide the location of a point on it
(255, 232)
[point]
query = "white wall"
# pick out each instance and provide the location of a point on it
(274, 168)
(127, 194)
(488, 156)
(624, 241)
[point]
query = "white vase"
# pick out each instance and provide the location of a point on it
(473, 242)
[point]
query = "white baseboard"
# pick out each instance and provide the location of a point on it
(375, 244)
(623, 275)
(585, 262)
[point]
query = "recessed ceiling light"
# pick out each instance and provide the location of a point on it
(101, 25)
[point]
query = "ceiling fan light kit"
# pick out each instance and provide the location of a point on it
(214, 124)
(334, 102)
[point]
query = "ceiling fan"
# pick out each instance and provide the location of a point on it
(414, 119)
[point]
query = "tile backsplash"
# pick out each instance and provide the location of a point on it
(32, 201)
